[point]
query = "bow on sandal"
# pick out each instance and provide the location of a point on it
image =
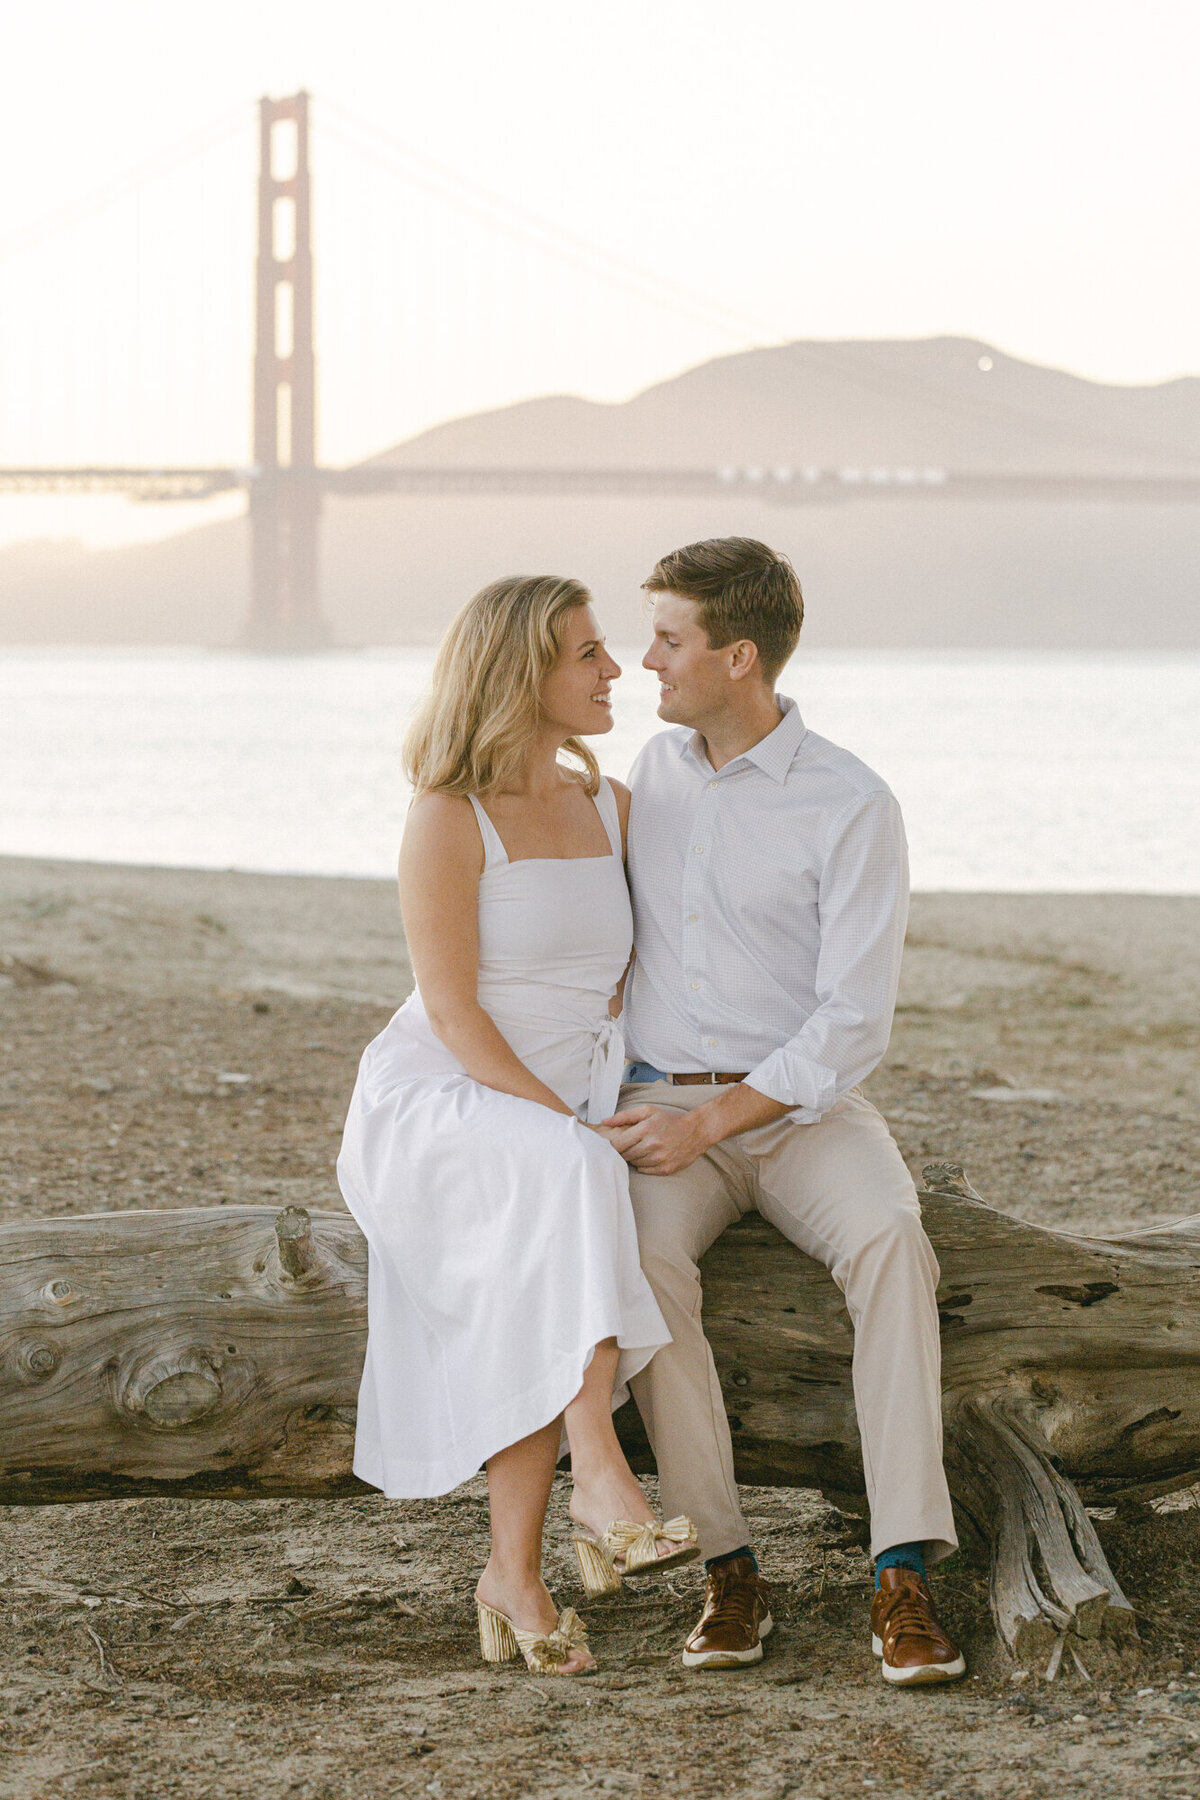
(545, 1652)
(624, 1548)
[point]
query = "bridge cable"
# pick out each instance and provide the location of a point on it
(165, 162)
(531, 228)
(525, 226)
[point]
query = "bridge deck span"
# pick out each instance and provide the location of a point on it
(779, 484)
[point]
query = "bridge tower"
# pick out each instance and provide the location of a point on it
(285, 497)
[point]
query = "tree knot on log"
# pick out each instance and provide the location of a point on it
(60, 1292)
(36, 1360)
(170, 1389)
(297, 1248)
(948, 1178)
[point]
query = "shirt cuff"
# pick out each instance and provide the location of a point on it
(808, 1088)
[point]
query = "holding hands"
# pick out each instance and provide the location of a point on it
(662, 1140)
(656, 1140)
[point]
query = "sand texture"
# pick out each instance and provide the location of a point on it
(153, 1648)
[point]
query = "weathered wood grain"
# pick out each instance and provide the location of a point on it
(174, 1352)
(216, 1352)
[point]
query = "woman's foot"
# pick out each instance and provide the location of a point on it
(613, 1494)
(525, 1601)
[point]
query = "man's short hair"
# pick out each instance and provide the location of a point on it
(741, 589)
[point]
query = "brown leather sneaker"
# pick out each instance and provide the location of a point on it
(906, 1634)
(735, 1620)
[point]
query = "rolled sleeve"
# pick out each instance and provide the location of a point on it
(792, 1077)
(863, 910)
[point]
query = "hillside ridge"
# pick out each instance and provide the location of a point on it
(895, 572)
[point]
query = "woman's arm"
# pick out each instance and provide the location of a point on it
(623, 798)
(441, 861)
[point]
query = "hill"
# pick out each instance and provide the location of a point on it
(893, 573)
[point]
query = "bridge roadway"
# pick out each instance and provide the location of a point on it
(779, 484)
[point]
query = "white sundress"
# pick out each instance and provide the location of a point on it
(501, 1236)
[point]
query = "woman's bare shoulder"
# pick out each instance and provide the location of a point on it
(623, 797)
(445, 823)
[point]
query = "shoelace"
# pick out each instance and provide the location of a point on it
(731, 1604)
(909, 1615)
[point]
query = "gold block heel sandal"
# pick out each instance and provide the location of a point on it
(624, 1548)
(544, 1652)
(595, 1568)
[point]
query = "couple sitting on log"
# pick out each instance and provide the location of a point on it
(535, 1206)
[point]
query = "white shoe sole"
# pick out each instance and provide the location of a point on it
(730, 1659)
(923, 1674)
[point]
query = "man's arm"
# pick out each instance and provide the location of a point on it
(863, 910)
(863, 904)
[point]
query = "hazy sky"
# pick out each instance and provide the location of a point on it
(1025, 173)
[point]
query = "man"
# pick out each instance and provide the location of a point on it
(770, 887)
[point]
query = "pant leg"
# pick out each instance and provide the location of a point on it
(678, 1393)
(841, 1192)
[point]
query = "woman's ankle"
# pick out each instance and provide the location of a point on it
(516, 1589)
(607, 1487)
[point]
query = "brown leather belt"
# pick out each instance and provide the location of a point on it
(693, 1080)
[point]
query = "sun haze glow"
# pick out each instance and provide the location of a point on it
(548, 197)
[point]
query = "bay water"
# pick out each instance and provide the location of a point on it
(1017, 772)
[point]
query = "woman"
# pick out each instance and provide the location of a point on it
(506, 1301)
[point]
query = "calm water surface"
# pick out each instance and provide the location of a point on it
(1048, 771)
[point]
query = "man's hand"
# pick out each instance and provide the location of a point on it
(657, 1141)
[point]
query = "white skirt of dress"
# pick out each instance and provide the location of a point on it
(502, 1250)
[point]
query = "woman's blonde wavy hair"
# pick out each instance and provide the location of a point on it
(472, 732)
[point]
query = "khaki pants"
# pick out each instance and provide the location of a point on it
(838, 1190)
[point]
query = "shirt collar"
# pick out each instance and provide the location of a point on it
(773, 754)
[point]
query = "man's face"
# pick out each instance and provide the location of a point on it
(694, 679)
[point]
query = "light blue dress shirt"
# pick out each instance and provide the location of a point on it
(770, 900)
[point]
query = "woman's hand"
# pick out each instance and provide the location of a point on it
(607, 1132)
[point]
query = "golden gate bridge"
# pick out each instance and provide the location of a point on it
(285, 483)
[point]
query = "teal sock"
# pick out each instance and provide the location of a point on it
(901, 1556)
(742, 1550)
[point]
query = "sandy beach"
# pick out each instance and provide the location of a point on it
(172, 1038)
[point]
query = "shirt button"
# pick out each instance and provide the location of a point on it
(712, 784)
(693, 918)
(695, 984)
(711, 1042)
(698, 849)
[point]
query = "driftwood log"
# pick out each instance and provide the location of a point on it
(216, 1353)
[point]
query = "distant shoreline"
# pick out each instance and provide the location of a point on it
(68, 864)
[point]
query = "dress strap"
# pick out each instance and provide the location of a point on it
(494, 853)
(606, 806)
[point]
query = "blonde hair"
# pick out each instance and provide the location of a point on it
(473, 730)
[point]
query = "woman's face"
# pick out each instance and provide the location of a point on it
(575, 694)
